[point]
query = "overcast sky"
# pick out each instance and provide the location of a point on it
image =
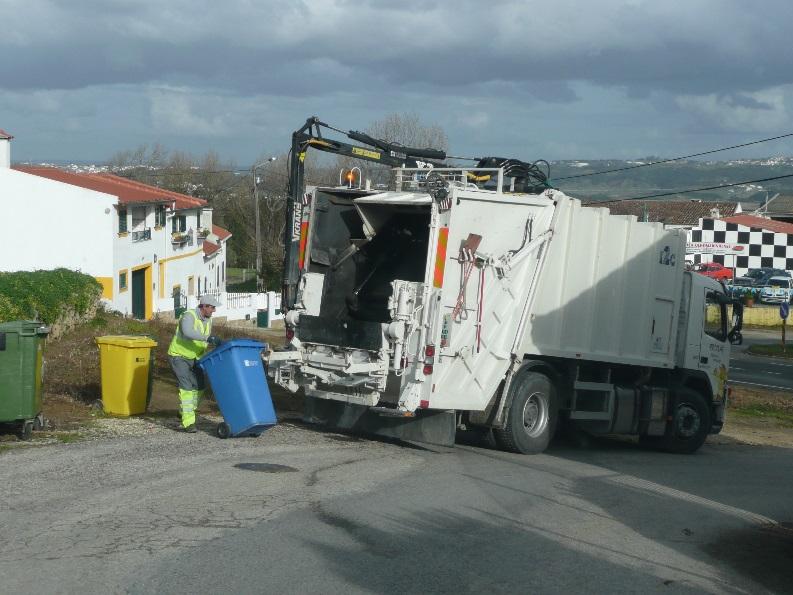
(562, 79)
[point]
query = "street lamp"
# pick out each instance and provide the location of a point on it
(259, 280)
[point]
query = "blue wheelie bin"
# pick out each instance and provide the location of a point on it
(236, 373)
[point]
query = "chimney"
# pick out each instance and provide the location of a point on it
(5, 149)
(714, 213)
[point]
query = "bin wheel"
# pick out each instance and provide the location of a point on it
(39, 423)
(223, 430)
(26, 431)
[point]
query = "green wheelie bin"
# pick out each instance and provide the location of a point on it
(21, 360)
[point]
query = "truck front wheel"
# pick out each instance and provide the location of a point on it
(690, 423)
(531, 419)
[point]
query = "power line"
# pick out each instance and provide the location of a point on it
(691, 190)
(609, 171)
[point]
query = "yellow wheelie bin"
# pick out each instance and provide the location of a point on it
(126, 366)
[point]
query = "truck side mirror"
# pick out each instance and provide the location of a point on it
(736, 338)
(2, 341)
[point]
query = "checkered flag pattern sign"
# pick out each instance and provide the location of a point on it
(740, 247)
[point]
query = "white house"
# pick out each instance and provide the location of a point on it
(144, 245)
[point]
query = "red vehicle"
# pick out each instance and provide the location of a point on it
(714, 270)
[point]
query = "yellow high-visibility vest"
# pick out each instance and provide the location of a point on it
(181, 346)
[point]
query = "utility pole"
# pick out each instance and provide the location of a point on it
(259, 279)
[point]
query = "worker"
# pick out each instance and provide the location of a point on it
(191, 340)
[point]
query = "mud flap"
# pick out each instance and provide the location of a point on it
(428, 427)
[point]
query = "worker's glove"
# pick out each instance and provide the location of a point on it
(213, 340)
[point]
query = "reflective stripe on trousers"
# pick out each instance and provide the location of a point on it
(188, 405)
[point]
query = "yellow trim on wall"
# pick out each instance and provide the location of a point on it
(169, 259)
(107, 286)
(149, 295)
(162, 263)
(126, 280)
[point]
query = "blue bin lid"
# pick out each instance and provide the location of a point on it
(231, 344)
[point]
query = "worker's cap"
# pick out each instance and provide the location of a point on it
(208, 300)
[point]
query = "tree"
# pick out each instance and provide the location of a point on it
(404, 129)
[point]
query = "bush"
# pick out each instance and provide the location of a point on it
(46, 295)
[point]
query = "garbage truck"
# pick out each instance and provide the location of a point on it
(480, 297)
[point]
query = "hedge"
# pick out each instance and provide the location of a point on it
(46, 295)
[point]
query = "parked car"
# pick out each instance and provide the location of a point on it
(777, 290)
(714, 270)
(759, 277)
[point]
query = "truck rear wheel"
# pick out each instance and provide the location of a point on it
(532, 415)
(690, 423)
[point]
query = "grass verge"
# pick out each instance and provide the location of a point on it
(762, 404)
(772, 350)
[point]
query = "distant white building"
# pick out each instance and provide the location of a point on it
(144, 244)
(741, 243)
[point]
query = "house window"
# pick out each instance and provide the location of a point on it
(159, 216)
(122, 281)
(138, 218)
(122, 221)
(223, 274)
(179, 223)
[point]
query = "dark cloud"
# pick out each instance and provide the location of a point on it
(242, 47)
(194, 69)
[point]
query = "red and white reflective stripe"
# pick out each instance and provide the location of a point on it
(301, 258)
(480, 308)
(440, 257)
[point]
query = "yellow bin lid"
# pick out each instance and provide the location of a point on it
(130, 341)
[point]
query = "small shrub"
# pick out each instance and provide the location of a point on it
(46, 295)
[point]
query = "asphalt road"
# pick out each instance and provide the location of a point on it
(761, 372)
(299, 511)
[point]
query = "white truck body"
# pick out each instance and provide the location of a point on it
(438, 295)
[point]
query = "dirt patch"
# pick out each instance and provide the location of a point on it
(758, 417)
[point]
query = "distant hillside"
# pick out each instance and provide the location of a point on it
(670, 177)
(633, 183)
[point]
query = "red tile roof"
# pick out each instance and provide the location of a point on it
(761, 222)
(222, 234)
(210, 248)
(4, 135)
(668, 212)
(127, 191)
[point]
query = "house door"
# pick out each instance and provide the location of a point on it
(139, 294)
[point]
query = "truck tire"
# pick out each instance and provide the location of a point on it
(690, 423)
(532, 414)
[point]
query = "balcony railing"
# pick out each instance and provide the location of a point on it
(141, 235)
(182, 238)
